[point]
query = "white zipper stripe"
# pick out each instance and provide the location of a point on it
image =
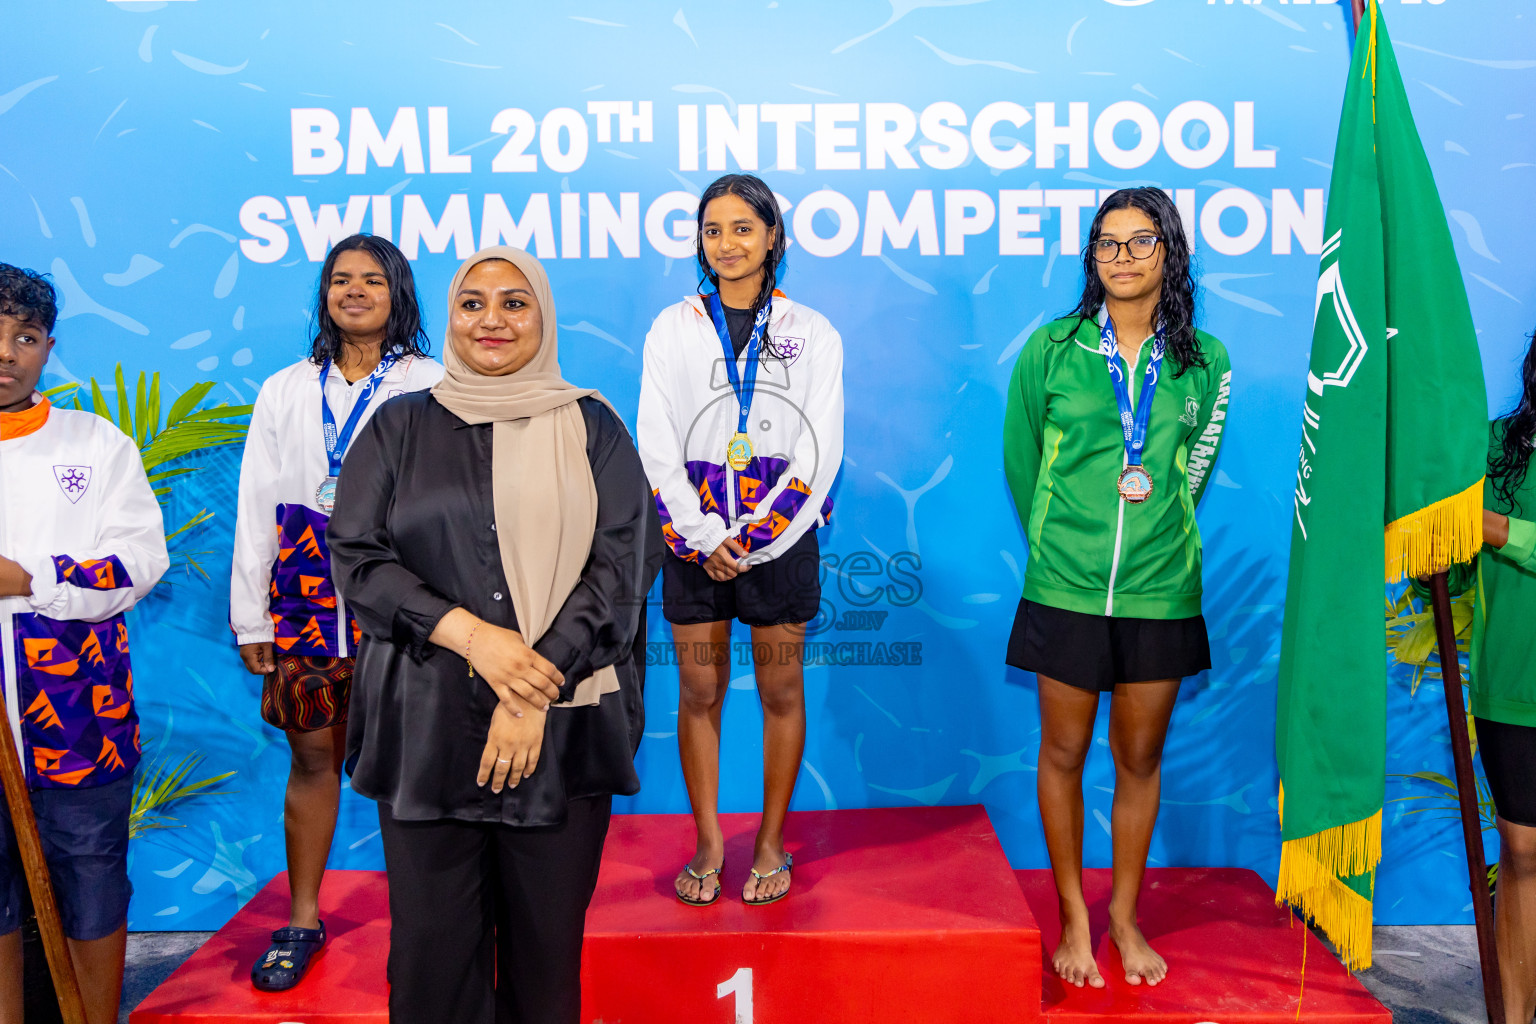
(1114, 566)
(12, 685)
(8, 668)
(730, 499)
(341, 624)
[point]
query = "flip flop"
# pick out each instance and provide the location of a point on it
(288, 958)
(696, 876)
(789, 862)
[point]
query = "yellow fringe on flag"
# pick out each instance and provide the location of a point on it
(1343, 915)
(1344, 850)
(1310, 872)
(1437, 536)
(1371, 69)
(1301, 986)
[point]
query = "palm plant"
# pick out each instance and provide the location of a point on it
(1412, 640)
(187, 430)
(160, 784)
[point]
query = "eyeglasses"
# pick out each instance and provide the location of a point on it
(1107, 250)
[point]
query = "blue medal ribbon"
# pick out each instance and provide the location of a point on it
(742, 386)
(1132, 426)
(336, 442)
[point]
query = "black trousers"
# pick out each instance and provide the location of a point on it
(487, 919)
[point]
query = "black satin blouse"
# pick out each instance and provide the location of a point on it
(413, 536)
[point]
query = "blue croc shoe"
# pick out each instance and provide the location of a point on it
(289, 956)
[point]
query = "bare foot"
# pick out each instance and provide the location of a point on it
(767, 857)
(1141, 962)
(1073, 959)
(708, 857)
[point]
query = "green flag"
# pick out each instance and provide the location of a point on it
(1389, 485)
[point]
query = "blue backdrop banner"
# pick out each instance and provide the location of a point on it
(181, 167)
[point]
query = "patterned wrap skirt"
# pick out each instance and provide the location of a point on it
(307, 694)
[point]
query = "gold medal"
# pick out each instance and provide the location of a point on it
(738, 453)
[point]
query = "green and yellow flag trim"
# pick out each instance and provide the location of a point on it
(1388, 486)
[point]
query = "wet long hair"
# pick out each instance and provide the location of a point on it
(403, 333)
(1507, 465)
(753, 191)
(1176, 305)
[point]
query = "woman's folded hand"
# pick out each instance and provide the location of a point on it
(512, 748)
(512, 668)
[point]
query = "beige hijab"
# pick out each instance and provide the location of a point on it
(544, 498)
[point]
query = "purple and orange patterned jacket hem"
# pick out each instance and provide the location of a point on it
(761, 476)
(75, 688)
(302, 601)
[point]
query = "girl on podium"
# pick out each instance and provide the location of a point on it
(292, 629)
(1114, 418)
(741, 433)
(496, 538)
(1504, 685)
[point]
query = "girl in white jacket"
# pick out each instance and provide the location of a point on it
(292, 627)
(741, 433)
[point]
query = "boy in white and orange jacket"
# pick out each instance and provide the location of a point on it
(81, 541)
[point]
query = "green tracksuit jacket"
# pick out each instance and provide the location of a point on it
(1503, 682)
(1090, 551)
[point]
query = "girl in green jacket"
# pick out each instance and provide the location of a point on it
(1115, 415)
(1504, 686)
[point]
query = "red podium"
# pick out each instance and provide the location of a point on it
(898, 915)
(1233, 956)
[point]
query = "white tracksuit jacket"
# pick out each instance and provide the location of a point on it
(280, 586)
(688, 413)
(78, 513)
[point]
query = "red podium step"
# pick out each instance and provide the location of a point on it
(345, 985)
(898, 915)
(1233, 956)
(906, 914)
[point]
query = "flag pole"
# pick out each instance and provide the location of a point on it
(35, 867)
(1466, 792)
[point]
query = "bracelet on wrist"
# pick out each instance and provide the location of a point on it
(467, 641)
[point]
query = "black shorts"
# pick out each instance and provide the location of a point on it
(1509, 761)
(1098, 652)
(85, 841)
(787, 589)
